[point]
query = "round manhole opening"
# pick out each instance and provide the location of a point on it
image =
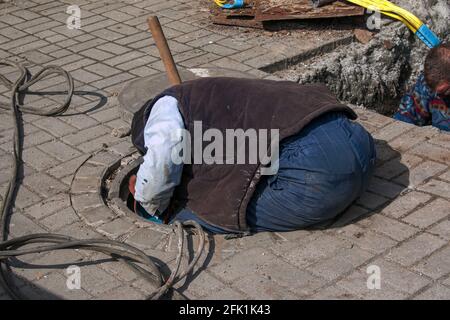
(117, 194)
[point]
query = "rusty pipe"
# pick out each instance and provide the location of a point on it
(164, 50)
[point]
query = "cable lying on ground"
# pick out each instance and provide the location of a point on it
(119, 251)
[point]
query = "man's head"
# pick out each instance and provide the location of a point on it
(437, 69)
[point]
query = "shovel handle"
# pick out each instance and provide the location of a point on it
(164, 51)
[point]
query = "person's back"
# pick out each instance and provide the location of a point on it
(429, 101)
(325, 159)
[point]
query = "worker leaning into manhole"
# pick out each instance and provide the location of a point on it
(325, 158)
(429, 100)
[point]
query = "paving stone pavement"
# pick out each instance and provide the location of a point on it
(399, 227)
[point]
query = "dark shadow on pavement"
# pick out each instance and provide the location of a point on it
(32, 291)
(102, 100)
(324, 24)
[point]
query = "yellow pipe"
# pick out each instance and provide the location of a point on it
(385, 7)
(388, 8)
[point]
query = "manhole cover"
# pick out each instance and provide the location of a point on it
(136, 93)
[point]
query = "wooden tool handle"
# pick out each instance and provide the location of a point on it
(164, 51)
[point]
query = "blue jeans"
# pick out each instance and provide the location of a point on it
(323, 169)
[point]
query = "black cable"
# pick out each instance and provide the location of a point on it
(122, 252)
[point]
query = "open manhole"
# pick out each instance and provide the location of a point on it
(116, 192)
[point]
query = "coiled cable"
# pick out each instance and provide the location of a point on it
(119, 251)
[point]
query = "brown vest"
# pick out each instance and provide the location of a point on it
(220, 193)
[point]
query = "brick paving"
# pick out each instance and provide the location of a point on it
(401, 224)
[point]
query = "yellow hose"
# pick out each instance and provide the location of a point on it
(220, 3)
(385, 7)
(388, 8)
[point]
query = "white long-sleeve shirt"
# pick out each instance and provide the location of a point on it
(158, 175)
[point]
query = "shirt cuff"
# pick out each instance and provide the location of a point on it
(153, 207)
